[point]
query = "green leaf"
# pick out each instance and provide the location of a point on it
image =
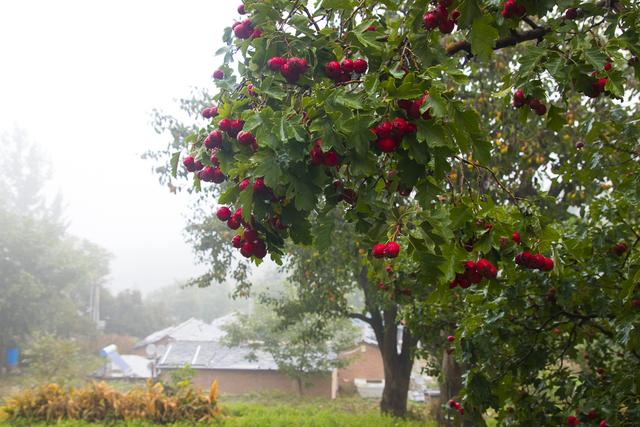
(483, 37)
(530, 61)
(349, 101)
(437, 104)
(175, 159)
(246, 202)
(595, 57)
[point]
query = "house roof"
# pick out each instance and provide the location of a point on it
(213, 355)
(191, 330)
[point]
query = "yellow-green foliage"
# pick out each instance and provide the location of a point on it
(99, 402)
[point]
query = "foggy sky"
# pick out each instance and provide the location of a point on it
(81, 78)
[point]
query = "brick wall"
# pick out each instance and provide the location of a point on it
(237, 381)
(366, 362)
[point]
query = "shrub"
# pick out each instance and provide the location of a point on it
(99, 402)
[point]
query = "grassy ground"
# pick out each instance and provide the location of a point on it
(285, 411)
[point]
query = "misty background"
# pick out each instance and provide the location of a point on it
(80, 80)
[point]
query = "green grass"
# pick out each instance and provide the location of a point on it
(286, 411)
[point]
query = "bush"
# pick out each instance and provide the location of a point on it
(98, 402)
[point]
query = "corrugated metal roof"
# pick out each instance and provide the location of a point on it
(213, 355)
(191, 330)
(140, 368)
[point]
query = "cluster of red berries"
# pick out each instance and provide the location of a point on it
(456, 405)
(620, 248)
(386, 250)
(474, 272)
(211, 174)
(538, 261)
(191, 164)
(231, 127)
(343, 71)
(520, 99)
(439, 18)
(572, 420)
(248, 242)
(209, 112)
(318, 157)
(291, 69)
(259, 187)
(245, 30)
(512, 9)
(390, 133)
(412, 107)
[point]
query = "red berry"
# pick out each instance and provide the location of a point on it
(579, 145)
(331, 158)
(446, 26)
(233, 223)
(246, 138)
(333, 70)
(572, 421)
(247, 249)
(391, 250)
(360, 66)
(455, 15)
(250, 235)
(483, 266)
(241, 10)
(235, 126)
(276, 63)
(571, 13)
(225, 124)
(297, 65)
(189, 163)
(470, 266)
(259, 249)
(218, 74)
(243, 31)
(244, 184)
(451, 338)
(516, 237)
(636, 302)
(289, 73)
(430, 20)
(258, 186)
(492, 273)
(449, 351)
(387, 145)
(593, 414)
(210, 112)
(213, 140)
(378, 250)
(371, 28)
(603, 423)
(223, 213)
(237, 242)
(347, 65)
(547, 265)
(608, 66)
(452, 403)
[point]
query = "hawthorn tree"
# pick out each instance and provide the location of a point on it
(371, 112)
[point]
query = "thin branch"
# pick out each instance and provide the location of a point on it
(495, 177)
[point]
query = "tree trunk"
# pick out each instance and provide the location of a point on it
(300, 386)
(397, 365)
(450, 388)
(397, 376)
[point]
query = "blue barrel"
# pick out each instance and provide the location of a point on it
(12, 356)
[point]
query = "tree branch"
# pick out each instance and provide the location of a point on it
(514, 39)
(360, 316)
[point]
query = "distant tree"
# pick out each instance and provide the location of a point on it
(127, 313)
(45, 274)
